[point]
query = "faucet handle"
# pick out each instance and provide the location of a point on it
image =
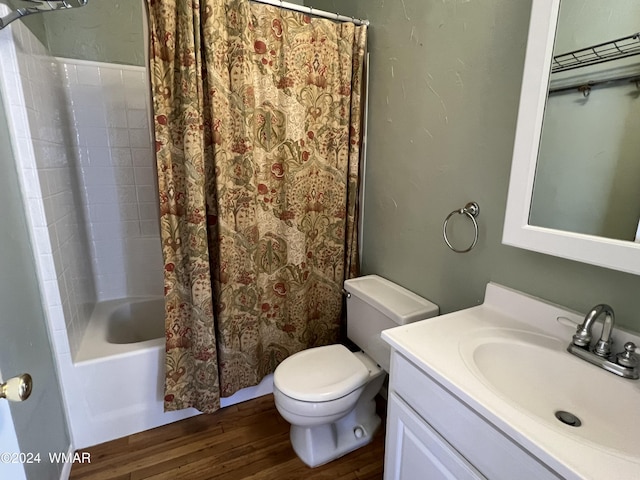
(627, 358)
(582, 337)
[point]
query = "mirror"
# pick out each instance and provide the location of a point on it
(588, 172)
(574, 190)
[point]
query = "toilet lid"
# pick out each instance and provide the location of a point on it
(320, 374)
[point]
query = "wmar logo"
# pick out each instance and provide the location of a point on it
(77, 457)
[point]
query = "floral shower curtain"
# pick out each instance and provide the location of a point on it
(257, 123)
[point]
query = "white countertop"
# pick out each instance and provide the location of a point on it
(434, 346)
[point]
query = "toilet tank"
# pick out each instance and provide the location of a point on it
(375, 304)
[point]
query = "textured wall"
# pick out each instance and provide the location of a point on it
(445, 84)
(102, 30)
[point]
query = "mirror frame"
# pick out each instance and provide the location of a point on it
(604, 252)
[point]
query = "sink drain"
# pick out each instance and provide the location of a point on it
(568, 418)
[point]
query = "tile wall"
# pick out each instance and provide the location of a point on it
(83, 144)
(110, 110)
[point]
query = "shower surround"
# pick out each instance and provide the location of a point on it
(83, 150)
(81, 141)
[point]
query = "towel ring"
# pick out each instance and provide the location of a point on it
(471, 210)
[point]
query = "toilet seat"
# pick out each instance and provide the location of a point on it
(320, 374)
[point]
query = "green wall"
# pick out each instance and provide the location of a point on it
(445, 84)
(102, 30)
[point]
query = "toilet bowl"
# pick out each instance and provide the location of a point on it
(327, 393)
(338, 416)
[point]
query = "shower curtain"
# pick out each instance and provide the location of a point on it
(257, 125)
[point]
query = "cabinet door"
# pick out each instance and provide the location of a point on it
(414, 451)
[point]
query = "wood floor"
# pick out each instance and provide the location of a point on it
(246, 441)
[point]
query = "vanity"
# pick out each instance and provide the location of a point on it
(492, 392)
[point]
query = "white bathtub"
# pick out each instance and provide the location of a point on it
(119, 368)
(126, 326)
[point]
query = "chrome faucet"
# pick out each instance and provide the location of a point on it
(582, 337)
(624, 364)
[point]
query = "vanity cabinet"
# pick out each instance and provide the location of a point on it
(418, 450)
(432, 435)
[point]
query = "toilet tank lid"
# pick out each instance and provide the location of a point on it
(398, 303)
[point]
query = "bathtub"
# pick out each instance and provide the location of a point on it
(128, 326)
(119, 369)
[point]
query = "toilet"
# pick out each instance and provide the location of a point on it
(327, 393)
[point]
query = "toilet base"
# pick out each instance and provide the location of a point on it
(321, 444)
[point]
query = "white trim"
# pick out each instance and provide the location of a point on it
(313, 11)
(65, 473)
(363, 169)
(96, 63)
(604, 252)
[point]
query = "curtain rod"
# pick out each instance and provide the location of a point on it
(40, 6)
(313, 11)
(585, 87)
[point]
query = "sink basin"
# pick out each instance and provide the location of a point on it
(535, 373)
